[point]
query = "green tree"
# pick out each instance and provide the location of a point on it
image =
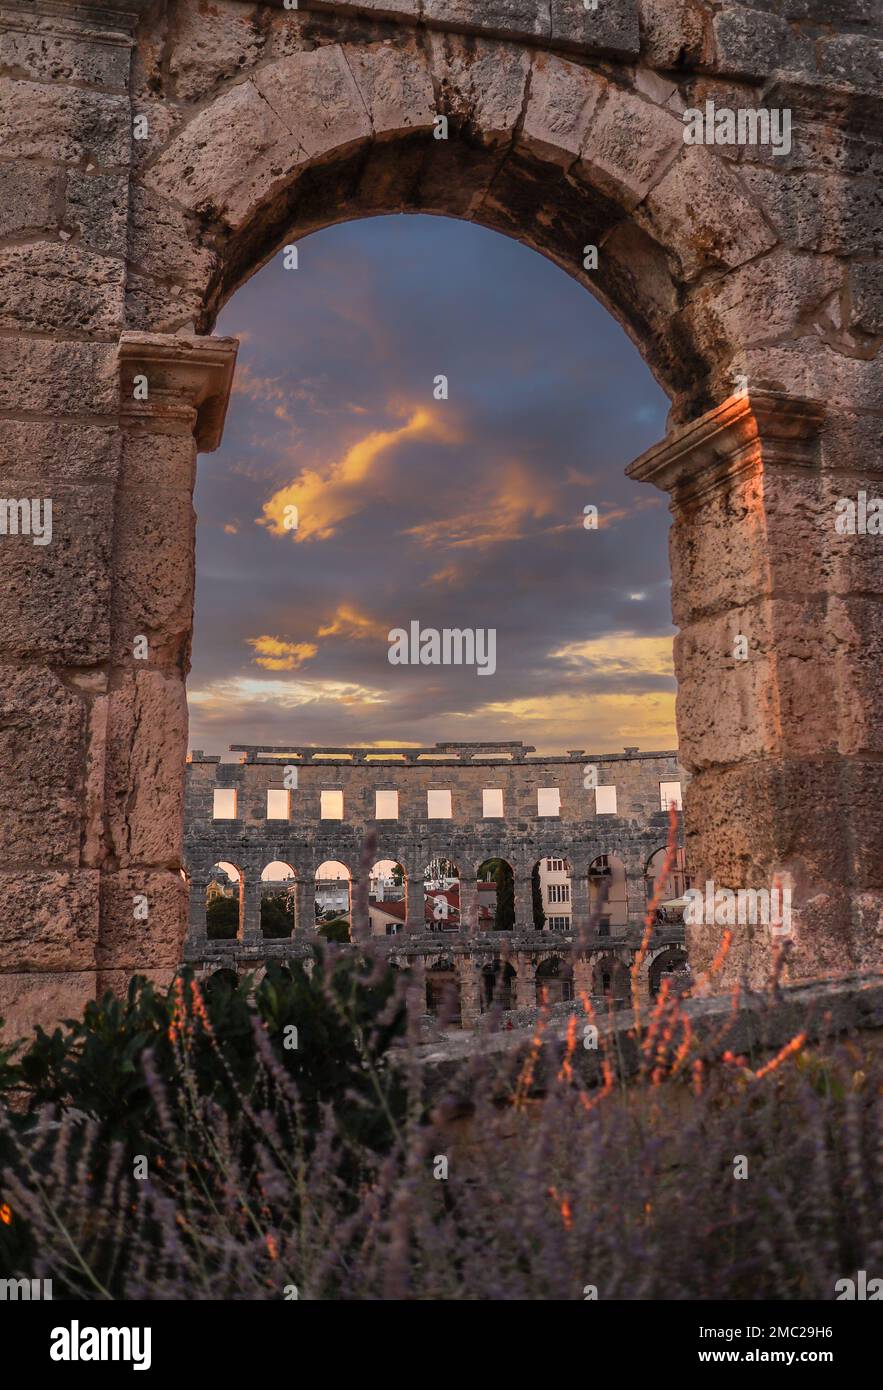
(336, 930)
(539, 916)
(222, 919)
(276, 919)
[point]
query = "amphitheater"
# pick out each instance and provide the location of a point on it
(155, 153)
(542, 808)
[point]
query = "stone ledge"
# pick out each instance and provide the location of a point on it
(762, 1025)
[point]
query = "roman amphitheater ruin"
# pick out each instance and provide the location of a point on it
(603, 820)
(155, 153)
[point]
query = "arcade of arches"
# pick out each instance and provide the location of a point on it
(160, 153)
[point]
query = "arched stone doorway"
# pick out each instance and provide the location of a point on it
(573, 141)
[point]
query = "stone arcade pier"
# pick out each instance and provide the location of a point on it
(581, 956)
(154, 153)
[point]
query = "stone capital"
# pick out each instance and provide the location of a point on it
(188, 383)
(745, 432)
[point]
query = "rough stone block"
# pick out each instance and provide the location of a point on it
(749, 43)
(67, 125)
(48, 51)
(866, 283)
(29, 199)
(773, 297)
(129, 944)
(58, 285)
(509, 18)
(213, 42)
(49, 921)
(163, 241)
(852, 61)
(162, 461)
(37, 452)
(42, 730)
(629, 145)
(316, 97)
(611, 27)
(58, 378)
(153, 569)
(701, 212)
(563, 98)
(97, 210)
(155, 306)
(57, 595)
(820, 212)
(42, 1000)
(675, 33)
(395, 85)
(482, 84)
(230, 154)
(146, 751)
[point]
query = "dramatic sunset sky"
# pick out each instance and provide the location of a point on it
(459, 513)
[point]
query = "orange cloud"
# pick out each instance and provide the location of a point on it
(275, 655)
(495, 513)
(326, 496)
(349, 622)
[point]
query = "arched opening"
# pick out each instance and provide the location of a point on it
(495, 888)
(612, 980)
(554, 981)
(608, 894)
(498, 979)
(552, 894)
(387, 898)
(673, 886)
(223, 902)
(674, 962)
(443, 991)
(278, 900)
(441, 895)
(333, 900)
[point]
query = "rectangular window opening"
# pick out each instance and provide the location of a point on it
(438, 805)
(386, 805)
(668, 792)
(605, 801)
(492, 801)
(224, 807)
(331, 805)
(548, 801)
(278, 803)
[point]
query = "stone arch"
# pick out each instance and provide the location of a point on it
(496, 910)
(611, 978)
(387, 895)
(439, 887)
(554, 979)
(553, 896)
(278, 909)
(676, 882)
(608, 893)
(334, 900)
(499, 983)
(225, 884)
(443, 989)
(672, 958)
(714, 265)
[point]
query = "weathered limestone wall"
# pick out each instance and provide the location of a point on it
(152, 155)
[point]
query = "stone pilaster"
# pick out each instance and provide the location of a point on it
(305, 908)
(468, 905)
(780, 678)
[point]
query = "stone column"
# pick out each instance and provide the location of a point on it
(780, 669)
(305, 908)
(196, 931)
(523, 903)
(470, 1006)
(414, 903)
(525, 984)
(250, 930)
(173, 396)
(468, 905)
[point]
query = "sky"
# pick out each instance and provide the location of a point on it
(347, 501)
